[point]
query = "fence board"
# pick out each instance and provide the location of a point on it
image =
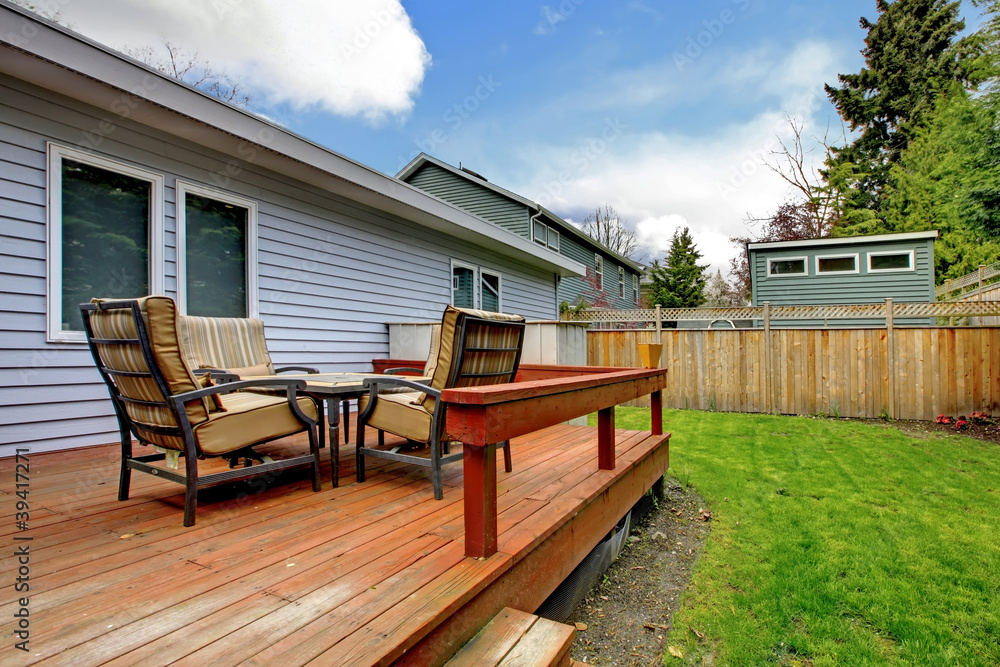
(832, 371)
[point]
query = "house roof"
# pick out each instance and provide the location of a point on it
(423, 159)
(843, 240)
(50, 56)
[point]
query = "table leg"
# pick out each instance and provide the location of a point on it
(333, 415)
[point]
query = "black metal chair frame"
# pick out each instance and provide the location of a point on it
(439, 449)
(175, 403)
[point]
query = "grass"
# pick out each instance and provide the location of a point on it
(836, 542)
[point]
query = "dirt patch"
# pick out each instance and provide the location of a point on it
(981, 429)
(627, 617)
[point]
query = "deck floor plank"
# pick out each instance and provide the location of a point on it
(280, 575)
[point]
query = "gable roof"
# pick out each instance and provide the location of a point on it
(50, 56)
(423, 159)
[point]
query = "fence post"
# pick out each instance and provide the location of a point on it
(979, 290)
(890, 357)
(767, 357)
(659, 324)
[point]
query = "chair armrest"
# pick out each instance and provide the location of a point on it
(292, 386)
(297, 369)
(218, 374)
(403, 369)
(375, 383)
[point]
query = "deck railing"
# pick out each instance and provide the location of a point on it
(481, 417)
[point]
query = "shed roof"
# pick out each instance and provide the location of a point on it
(844, 240)
(53, 57)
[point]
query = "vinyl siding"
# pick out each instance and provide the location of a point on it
(331, 272)
(571, 289)
(487, 204)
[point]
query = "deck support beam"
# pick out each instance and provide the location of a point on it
(606, 438)
(656, 406)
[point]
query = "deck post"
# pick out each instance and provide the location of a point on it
(606, 438)
(480, 468)
(656, 406)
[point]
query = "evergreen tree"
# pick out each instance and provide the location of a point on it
(912, 55)
(680, 281)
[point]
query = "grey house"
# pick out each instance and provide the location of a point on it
(848, 270)
(112, 180)
(616, 276)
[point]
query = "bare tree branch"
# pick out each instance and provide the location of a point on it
(185, 66)
(607, 227)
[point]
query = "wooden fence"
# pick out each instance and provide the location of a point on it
(980, 285)
(891, 371)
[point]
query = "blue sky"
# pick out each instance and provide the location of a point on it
(663, 110)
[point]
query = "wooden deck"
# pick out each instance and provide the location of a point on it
(363, 574)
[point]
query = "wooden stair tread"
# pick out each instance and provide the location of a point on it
(515, 638)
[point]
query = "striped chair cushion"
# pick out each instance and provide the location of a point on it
(480, 335)
(235, 344)
(160, 321)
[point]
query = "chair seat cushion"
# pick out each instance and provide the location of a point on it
(400, 414)
(250, 417)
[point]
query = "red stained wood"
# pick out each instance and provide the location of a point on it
(606, 439)
(480, 467)
(656, 405)
(525, 372)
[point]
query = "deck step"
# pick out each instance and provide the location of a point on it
(516, 637)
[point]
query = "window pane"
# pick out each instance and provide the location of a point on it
(463, 283)
(831, 264)
(541, 232)
(883, 262)
(553, 239)
(781, 266)
(491, 292)
(105, 237)
(216, 258)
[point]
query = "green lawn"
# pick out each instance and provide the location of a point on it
(837, 543)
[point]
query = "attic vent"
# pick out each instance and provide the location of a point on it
(469, 171)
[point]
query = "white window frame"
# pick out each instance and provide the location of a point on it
(805, 267)
(882, 253)
(635, 287)
(499, 277)
(55, 155)
(543, 239)
(599, 269)
(621, 282)
(181, 190)
(551, 245)
(459, 264)
(857, 264)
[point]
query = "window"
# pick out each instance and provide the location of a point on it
(105, 228)
(553, 239)
(621, 283)
(884, 262)
(217, 253)
(635, 288)
(541, 233)
(490, 291)
(787, 266)
(599, 270)
(836, 264)
(463, 285)
(475, 287)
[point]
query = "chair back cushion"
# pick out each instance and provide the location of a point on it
(158, 319)
(489, 354)
(234, 344)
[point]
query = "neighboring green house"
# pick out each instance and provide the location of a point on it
(611, 275)
(847, 270)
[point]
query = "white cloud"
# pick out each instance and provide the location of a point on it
(348, 57)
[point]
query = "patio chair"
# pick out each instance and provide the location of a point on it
(233, 348)
(474, 348)
(160, 402)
